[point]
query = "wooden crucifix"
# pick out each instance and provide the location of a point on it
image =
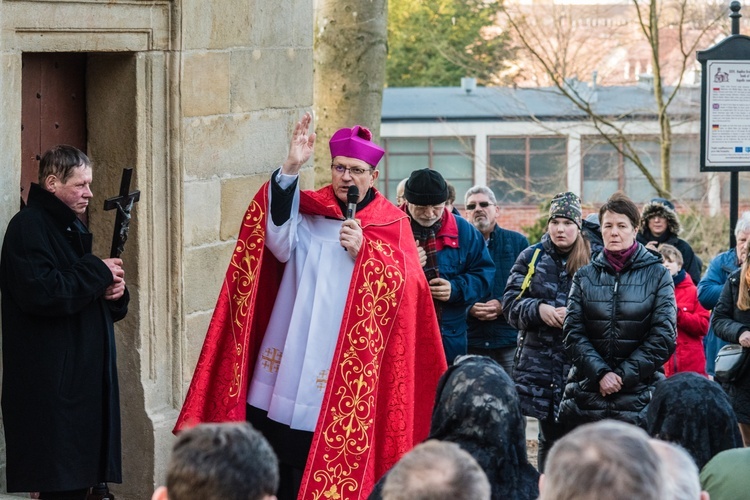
(124, 205)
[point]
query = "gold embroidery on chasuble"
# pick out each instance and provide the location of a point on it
(350, 412)
(321, 380)
(243, 271)
(271, 359)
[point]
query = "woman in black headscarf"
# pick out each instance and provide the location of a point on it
(695, 413)
(477, 407)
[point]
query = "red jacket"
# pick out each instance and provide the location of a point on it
(692, 325)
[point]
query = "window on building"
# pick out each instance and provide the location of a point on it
(527, 170)
(605, 170)
(452, 157)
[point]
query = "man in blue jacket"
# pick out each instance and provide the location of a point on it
(710, 286)
(489, 334)
(453, 255)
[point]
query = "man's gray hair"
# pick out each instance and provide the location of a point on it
(480, 190)
(606, 459)
(437, 470)
(681, 476)
(743, 224)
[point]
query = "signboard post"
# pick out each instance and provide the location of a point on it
(725, 101)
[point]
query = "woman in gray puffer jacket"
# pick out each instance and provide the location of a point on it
(620, 327)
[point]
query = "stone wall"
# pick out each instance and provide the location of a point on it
(199, 97)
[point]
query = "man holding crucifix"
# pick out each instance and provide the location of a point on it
(60, 398)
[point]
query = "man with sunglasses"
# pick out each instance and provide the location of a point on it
(452, 253)
(489, 333)
(324, 337)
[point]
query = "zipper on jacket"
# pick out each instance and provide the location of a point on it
(614, 308)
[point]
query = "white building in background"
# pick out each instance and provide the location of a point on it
(529, 143)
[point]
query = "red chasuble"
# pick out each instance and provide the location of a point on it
(381, 385)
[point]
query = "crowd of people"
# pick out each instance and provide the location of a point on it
(395, 351)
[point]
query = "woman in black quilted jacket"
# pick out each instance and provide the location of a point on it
(620, 326)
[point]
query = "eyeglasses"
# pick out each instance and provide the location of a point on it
(483, 204)
(354, 171)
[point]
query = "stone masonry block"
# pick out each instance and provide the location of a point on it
(204, 269)
(202, 209)
(302, 22)
(271, 78)
(206, 84)
(236, 145)
(273, 23)
(235, 197)
(219, 25)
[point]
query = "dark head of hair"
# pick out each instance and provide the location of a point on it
(60, 162)
(619, 203)
(227, 461)
(451, 194)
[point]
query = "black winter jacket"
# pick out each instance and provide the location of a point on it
(617, 322)
(728, 322)
(541, 366)
(60, 398)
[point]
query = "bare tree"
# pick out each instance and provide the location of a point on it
(689, 24)
(349, 59)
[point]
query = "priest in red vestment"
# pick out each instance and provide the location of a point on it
(324, 335)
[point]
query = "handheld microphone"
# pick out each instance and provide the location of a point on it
(352, 197)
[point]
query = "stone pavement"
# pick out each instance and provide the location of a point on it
(532, 429)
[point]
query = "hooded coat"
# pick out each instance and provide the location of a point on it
(617, 322)
(60, 401)
(691, 263)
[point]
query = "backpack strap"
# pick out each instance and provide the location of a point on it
(529, 273)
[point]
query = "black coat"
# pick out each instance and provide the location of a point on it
(728, 322)
(617, 322)
(60, 398)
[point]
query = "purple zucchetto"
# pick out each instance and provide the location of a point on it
(356, 142)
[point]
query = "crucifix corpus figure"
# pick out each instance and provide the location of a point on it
(124, 204)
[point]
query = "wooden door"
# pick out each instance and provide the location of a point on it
(53, 108)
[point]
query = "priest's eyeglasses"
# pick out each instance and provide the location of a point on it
(353, 171)
(483, 204)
